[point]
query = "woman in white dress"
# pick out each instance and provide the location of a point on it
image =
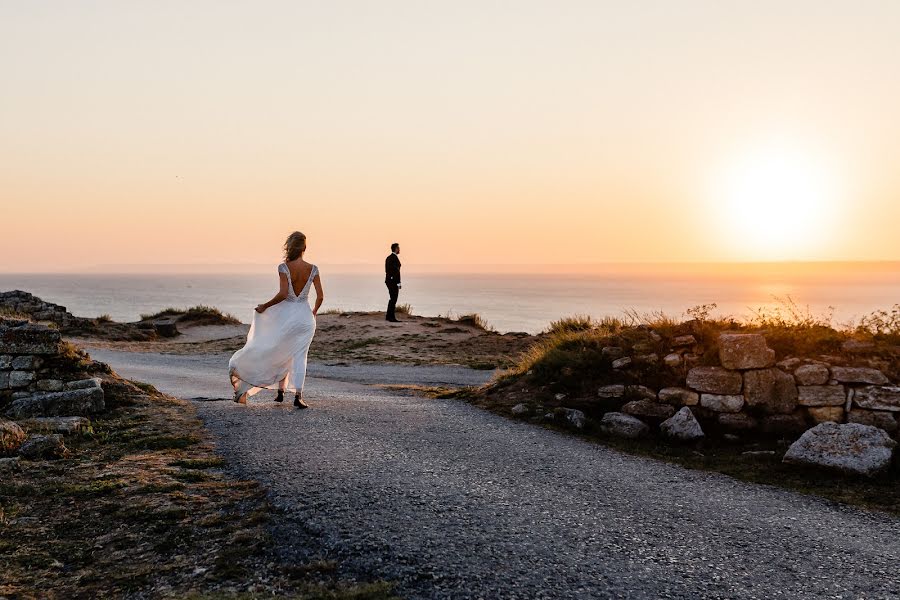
(274, 356)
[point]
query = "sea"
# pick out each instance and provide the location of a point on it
(509, 298)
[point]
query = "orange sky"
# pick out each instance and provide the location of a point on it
(471, 132)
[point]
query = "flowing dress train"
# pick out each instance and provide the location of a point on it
(275, 354)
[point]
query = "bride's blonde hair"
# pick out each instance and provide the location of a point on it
(294, 246)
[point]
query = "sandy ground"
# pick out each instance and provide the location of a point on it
(357, 337)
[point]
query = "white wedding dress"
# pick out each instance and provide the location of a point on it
(275, 354)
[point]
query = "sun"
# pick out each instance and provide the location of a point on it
(776, 203)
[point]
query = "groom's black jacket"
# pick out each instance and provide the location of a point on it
(392, 269)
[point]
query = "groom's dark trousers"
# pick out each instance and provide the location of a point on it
(394, 293)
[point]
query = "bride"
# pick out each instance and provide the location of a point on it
(274, 356)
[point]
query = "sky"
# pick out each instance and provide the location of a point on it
(472, 132)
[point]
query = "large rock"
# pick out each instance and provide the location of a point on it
(678, 396)
(616, 390)
(621, 425)
(814, 374)
(648, 408)
(571, 416)
(850, 448)
(878, 398)
(858, 375)
(11, 437)
(771, 390)
(69, 403)
(682, 426)
(714, 380)
(745, 351)
(821, 395)
(29, 338)
(43, 446)
(875, 418)
(64, 425)
(727, 403)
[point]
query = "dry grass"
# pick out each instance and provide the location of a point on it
(8, 313)
(404, 309)
(195, 315)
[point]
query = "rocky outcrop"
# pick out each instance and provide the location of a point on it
(43, 447)
(849, 448)
(683, 426)
(620, 425)
(68, 403)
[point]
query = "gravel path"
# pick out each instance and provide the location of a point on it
(453, 502)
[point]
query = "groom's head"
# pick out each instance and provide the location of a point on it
(395, 248)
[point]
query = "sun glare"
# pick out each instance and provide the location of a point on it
(776, 203)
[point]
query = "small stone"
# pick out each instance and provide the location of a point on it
(714, 380)
(673, 360)
(612, 352)
(878, 398)
(772, 390)
(814, 374)
(745, 351)
(727, 403)
(616, 390)
(43, 446)
(684, 340)
(822, 414)
(737, 421)
(20, 379)
(789, 364)
(618, 424)
(849, 448)
(758, 453)
(83, 384)
(647, 359)
(5, 361)
(730, 437)
(11, 437)
(573, 417)
(559, 397)
(858, 375)
(23, 363)
(691, 360)
(519, 410)
(822, 395)
(648, 408)
(679, 396)
(640, 391)
(682, 426)
(875, 418)
(621, 363)
(4, 380)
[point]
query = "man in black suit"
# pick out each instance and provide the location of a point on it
(392, 280)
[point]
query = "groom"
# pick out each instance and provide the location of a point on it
(392, 280)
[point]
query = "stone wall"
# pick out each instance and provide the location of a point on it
(36, 309)
(748, 392)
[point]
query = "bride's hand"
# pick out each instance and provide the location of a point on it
(260, 308)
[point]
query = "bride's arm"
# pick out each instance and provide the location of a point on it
(320, 295)
(281, 295)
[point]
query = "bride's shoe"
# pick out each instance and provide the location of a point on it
(299, 403)
(240, 397)
(280, 396)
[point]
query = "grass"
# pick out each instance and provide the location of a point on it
(363, 343)
(8, 313)
(104, 318)
(195, 315)
(475, 320)
(404, 309)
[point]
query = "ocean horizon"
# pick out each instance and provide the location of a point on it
(509, 301)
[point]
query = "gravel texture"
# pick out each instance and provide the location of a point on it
(453, 502)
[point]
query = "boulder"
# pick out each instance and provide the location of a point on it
(611, 391)
(11, 437)
(679, 396)
(682, 426)
(745, 351)
(43, 446)
(166, 327)
(875, 418)
(571, 416)
(68, 403)
(822, 414)
(878, 397)
(771, 390)
(648, 408)
(814, 374)
(821, 395)
(737, 421)
(64, 425)
(858, 375)
(729, 403)
(849, 448)
(621, 425)
(714, 380)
